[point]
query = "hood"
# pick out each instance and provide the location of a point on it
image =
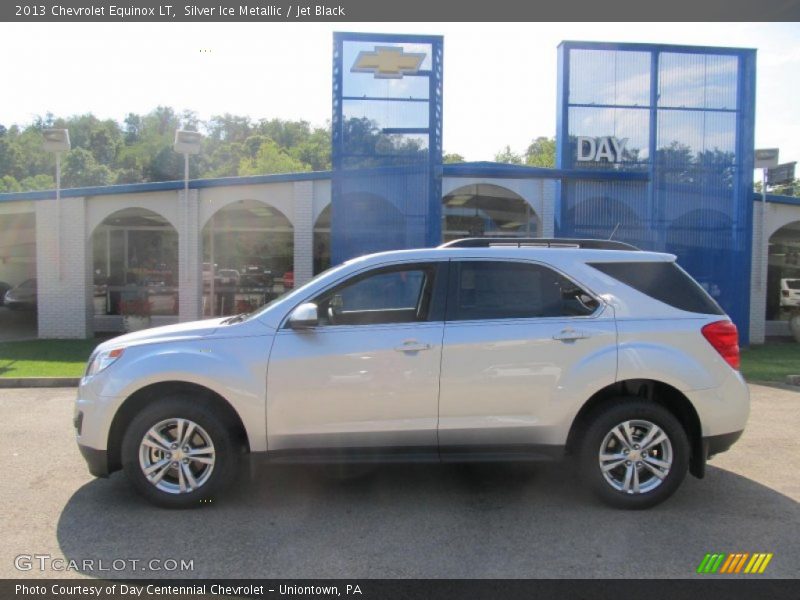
(179, 331)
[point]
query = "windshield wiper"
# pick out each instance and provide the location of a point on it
(235, 319)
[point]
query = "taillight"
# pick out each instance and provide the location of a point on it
(785, 293)
(724, 336)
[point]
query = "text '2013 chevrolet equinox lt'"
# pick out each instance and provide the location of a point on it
(477, 350)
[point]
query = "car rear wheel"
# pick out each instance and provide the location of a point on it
(634, 454)
(179, 454)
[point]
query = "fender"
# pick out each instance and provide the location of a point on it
(234, 368)
(641, 360)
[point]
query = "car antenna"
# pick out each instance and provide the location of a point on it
(613, 232)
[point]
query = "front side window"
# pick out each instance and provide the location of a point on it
(513, 290)
(387, 295)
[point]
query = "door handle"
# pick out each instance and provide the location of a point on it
(412, 346)
(570, 335)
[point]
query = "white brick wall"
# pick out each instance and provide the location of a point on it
(303, 231)
(548, 207)
(189, 257)
(64, 291)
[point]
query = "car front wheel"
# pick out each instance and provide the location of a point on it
(179, 454)
(634, 454)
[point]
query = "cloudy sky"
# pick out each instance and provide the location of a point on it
(500, 79)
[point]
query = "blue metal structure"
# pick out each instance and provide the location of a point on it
(684, 118)
(386, 143)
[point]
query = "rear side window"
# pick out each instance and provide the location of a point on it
(512, 290)
(664, 281)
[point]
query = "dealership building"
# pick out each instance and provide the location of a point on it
(654, 147)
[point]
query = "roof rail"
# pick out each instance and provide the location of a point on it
(502, 242)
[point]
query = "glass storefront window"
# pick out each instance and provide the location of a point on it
(783, 274)
(135, 256)
(248, 257)
(322, 241)
(484, 210)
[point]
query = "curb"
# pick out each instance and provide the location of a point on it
(38, 382)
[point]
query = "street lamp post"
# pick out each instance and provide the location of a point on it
(57, 141)
(186, 143)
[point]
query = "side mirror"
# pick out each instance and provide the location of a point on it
(304, 316)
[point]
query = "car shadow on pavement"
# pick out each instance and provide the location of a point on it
(458, 521)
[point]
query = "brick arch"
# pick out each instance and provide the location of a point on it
(234, 200)
(98, 216)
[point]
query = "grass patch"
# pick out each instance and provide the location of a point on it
(771, 362)
(45, 358)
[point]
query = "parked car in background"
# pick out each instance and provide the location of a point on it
(790, 293)
(4, 287)
(478, 350)
(23, 296)
(228, 276)
(208, 272)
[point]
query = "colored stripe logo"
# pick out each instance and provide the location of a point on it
(737, 562)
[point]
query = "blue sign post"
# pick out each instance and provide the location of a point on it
(386, 143)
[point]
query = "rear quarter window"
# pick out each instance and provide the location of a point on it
(663, 281)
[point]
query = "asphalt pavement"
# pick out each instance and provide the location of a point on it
(429, 521)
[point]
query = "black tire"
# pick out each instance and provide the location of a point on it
(600, 424)
(226, 452)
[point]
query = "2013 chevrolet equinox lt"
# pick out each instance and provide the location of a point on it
(477, 350)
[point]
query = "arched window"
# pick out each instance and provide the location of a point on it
(486, 210)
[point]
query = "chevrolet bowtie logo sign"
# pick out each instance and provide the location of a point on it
(388, 62)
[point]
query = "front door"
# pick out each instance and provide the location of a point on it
(367, 377)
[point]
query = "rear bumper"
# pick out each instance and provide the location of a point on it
(96, 460)
(716, 444)
(709, 446)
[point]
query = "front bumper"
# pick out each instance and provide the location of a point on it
(96, 460)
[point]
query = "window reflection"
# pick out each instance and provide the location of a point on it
(483, 210)
(697, 80)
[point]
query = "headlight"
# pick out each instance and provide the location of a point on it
(103, 360)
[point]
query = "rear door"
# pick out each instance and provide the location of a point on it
(514, 330)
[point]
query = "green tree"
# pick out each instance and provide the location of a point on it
(9, 184)
(81, 169)
(450, 158)
(38, 182)
(508, 156)
(270, 159)
(541, 152)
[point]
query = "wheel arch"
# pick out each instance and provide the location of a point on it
(150, 394)
(653, 391)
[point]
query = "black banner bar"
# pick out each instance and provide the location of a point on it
(706, 587)
(403, 11)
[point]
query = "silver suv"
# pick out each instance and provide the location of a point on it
(477, 350)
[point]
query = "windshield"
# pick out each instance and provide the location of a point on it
(793, 284)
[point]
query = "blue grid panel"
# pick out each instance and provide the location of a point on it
(386, 148)
(697, 203)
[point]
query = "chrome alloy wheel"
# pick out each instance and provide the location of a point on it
(635, 456)
(177, 456)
